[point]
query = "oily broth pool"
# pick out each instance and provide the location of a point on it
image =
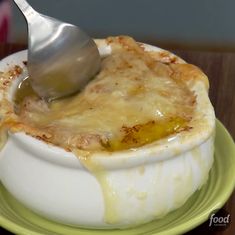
(142, 134)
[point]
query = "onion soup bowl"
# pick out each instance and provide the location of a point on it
(139, 148)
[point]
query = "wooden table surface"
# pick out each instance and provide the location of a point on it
(220, 68)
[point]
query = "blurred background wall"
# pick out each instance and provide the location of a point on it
(193, 24)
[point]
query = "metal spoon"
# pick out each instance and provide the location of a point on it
(61, 57)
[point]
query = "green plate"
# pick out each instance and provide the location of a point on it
(16, 218)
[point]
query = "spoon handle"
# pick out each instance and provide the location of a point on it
(26, 9)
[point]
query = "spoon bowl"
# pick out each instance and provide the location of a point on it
(62, 58)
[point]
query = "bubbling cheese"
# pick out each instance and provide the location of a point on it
(134, 100)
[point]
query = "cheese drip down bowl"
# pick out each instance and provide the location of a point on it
(137, 169)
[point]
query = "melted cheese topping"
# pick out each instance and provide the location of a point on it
(133, 101)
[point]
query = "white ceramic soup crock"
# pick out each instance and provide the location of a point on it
(131, 187)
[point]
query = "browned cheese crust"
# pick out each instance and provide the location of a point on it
(138, 97)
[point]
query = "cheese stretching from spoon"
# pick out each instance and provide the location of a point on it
(133, 101)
